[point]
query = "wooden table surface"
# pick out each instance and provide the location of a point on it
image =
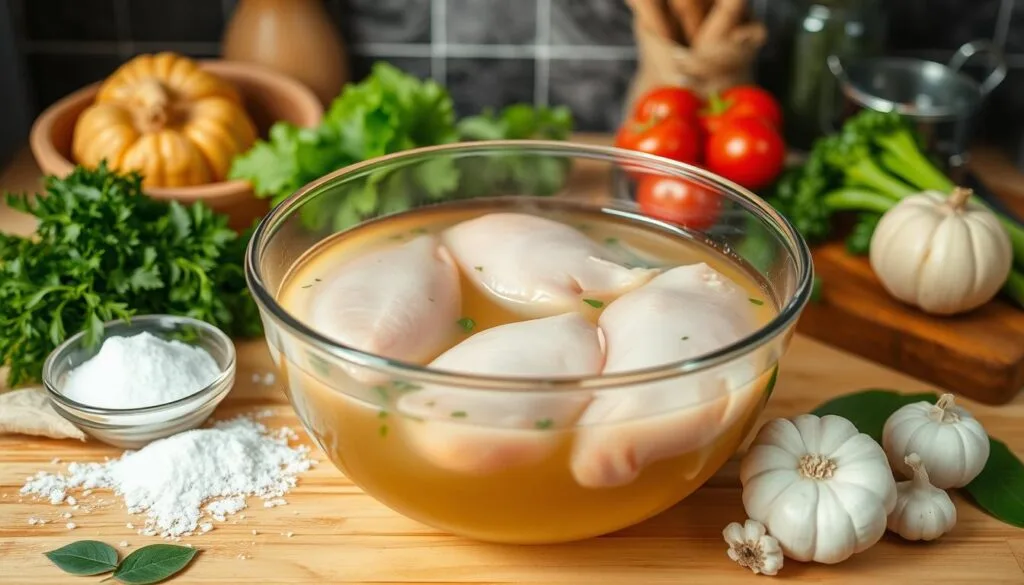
(340, 535)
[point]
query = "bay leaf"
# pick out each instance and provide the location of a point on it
(869, 409)
(27, 411)
(999, 488)
(153, 563)
(85, 557)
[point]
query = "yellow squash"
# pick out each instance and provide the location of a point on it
(168, 119)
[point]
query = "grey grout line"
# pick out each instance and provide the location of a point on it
(123, 23)
(421, 50)
(1003, 19)
(760, 9)
(542, 66)
(438, 41)
(227, 7)
(117, 48)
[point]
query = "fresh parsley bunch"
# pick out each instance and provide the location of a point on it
(102, 251)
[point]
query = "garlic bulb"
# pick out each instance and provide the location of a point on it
(751, 547)
(923, 511)
(821, 488)
(944, 255)
(952, 443)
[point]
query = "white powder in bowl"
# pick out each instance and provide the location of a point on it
(139, 371)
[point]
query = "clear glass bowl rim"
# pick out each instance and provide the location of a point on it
(788, 313)
(201, 397)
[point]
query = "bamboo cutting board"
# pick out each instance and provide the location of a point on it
(340, 535)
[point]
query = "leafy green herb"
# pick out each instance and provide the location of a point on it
(611, 241)
(685, 337)
(404, 386)
(391, 111)
(153, 563)
(318, 364)
(771, 383)
(594, 303)
(382, 414)
(382, 393)
(478, 268)
(999, 488)
(383, 431)
(466, 324)
(544, 423)
(459, 414)
(104, 251)
(757, 302)
(869, 409)
(85, 557)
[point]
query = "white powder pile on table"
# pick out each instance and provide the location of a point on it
(171, 480)
(140, 370)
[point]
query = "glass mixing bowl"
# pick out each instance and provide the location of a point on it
(519, 483)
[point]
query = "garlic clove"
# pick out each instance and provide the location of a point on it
(923, 511)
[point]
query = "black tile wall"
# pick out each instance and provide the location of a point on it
(493, 52)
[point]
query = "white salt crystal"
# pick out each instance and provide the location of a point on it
(140, 370)
(71, 501)
(205, 527)
(170, 480)
(253, 532)
(124, 543)
(129, 525)
(70, 525)
(66, 515)
(55, 460)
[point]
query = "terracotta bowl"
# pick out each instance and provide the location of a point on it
(268, 97)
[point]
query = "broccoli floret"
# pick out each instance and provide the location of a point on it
(897, 149)
(851, 155)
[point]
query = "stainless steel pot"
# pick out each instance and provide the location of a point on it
(940, 100)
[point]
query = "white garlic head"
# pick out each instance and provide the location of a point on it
(952, 444)
(923, 511)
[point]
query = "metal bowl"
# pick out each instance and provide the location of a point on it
(131, 428)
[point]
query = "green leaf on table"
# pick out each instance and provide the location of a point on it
(869, 409)
(999, 488)
(153, 563)
(85, 557)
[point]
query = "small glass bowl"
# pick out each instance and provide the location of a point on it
(131, 428)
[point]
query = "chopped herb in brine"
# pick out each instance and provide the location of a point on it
(318, 364)
(757, 302)
(478, 268)
(594, 303)
(403, 386)
(611, 241)
(459, 414)
(419, 231)
(382, 414)
(316, 280)
(544, 423)
(306, 285)
(382, 392)
(685, 337)
(431, 404)
(467, 324)
(383, 430)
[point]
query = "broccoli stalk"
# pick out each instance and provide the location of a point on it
(853, 158)
(898, 151)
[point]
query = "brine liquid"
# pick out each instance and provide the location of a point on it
(536, 503)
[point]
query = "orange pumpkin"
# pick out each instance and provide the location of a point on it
(168, 119)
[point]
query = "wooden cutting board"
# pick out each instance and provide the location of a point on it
(341, 535)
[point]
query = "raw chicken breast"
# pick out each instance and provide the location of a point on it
(482, 431)
(538, 267)
(401, 302)
(684, 313)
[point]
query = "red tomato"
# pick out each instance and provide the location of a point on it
(675, 138)
(745, 101)
(747, 151)
(667, 102)
(678, 201)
